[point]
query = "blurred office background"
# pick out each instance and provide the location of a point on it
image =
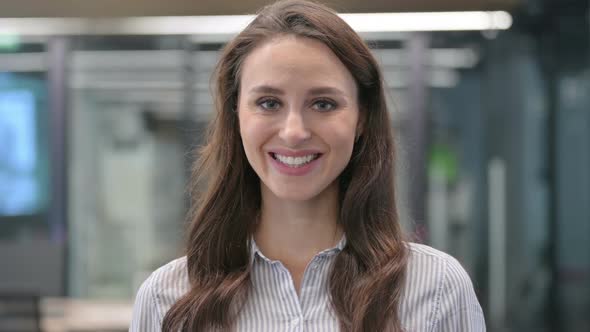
(101, 102)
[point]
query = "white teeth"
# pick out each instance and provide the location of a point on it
(295, 161)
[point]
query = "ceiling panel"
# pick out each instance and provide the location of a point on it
(118, 8)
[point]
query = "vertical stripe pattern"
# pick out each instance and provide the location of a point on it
(438, 295)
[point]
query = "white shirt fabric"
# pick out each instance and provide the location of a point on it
(438, 295)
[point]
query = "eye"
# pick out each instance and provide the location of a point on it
(324, 105)
(269, 104)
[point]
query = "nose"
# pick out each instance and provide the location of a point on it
(294, 130)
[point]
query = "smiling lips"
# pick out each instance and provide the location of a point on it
(295, 161)
(297, 164)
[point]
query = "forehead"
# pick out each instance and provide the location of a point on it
(292, 62)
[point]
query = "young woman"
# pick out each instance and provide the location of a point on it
(297, 228)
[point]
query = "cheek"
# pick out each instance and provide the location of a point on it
(346, 146)
(343, 135)
(345, 140)
(251, 135)
(245, 136)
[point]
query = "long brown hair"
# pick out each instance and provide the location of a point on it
(368, 274)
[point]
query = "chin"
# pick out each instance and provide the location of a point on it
(295, 194)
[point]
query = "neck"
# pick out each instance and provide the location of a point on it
(295, 231)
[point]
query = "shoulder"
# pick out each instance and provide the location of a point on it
(438, 284)
(424, 259)
(158, 293)
(429, 267)
(433, 271)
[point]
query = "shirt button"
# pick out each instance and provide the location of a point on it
(295, 321)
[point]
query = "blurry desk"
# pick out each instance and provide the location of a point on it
(65, 315)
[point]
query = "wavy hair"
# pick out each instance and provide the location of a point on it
(367, 277)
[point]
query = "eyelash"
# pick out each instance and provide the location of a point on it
(333, 104)
(266, 100)
(327, 101)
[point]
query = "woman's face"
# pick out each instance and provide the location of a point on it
(298, 113)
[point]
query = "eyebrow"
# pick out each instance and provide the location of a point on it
(314, 91)
(267, 89)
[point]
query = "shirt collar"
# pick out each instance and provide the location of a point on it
(255, 251)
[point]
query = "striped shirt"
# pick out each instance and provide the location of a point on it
(438, 295)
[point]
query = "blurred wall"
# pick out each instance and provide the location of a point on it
(67, 8)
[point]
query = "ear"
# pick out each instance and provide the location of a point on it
(360, 126)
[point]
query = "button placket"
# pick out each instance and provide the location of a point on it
(285, 290)
(297, 324)
(312, 281)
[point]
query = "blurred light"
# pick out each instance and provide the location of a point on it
(172, 25)
(435, 57)
(19, 185)
(9, 42)
(453, 57)
(439, 21)
(442, 78)
(232, 24)
(497, 238)
(434, 78)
